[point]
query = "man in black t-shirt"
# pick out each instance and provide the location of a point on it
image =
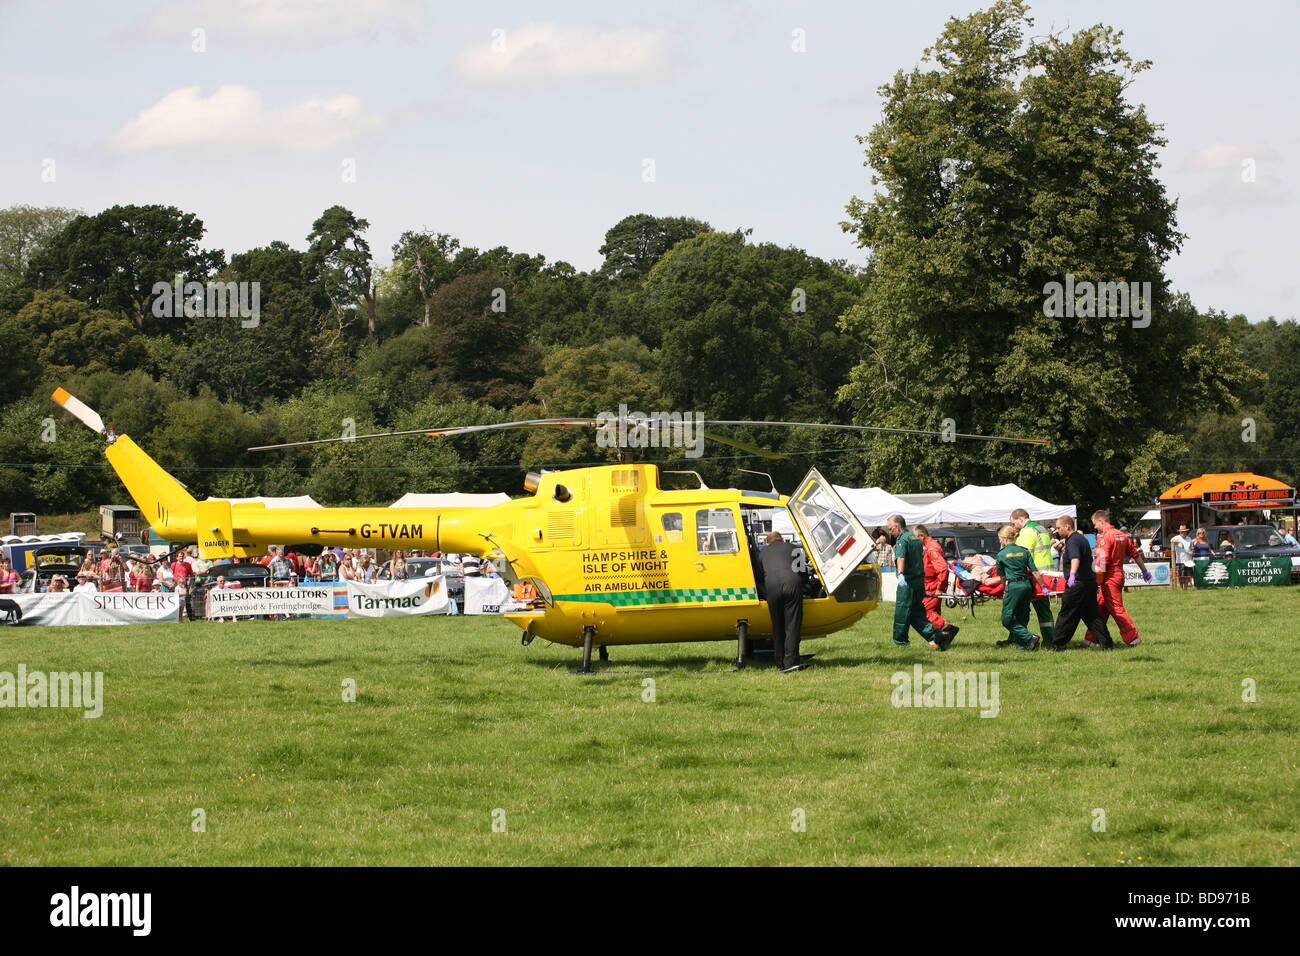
(1079, 602)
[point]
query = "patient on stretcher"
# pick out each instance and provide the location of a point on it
(981, 571)
(973, 575)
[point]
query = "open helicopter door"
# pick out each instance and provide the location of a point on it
(837, 539)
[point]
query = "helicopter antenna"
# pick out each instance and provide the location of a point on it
(703, 486)
(765, 475)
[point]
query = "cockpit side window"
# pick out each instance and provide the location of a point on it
(715, 530)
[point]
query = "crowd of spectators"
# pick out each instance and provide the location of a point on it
(287, 567)
(123, 570)
(115, 569)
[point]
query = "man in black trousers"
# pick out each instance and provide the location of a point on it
(784, 601)
(1079, 602)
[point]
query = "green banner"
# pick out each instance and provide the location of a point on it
(1241, 572)
(1248, 571)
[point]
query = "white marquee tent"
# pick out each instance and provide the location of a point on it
(992, 505)
(973, 504)
(874, 506)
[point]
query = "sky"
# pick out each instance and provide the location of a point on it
(538, 126)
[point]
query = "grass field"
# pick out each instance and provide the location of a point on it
(454, 720)
(87, 522)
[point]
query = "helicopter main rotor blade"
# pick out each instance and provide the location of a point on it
(745, 446)
(882, 428)
(443, 432)
(438, 432)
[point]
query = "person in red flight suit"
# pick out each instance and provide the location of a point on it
(936, 579)
(1114, 548)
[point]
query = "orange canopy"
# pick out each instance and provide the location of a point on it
(1240, 483)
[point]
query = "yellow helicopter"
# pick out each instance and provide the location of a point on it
(613, 557)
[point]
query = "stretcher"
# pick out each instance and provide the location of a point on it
(966, 592)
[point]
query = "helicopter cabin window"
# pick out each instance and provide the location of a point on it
(623, 481)
(829, 530)
(716, 531)
(672, 523)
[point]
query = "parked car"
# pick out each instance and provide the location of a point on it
(432, 567)
(56, 559)
(247, 574)
(959, 542)
(1251, 540)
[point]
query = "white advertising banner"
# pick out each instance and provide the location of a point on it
(487, 596)
(97, 607)
(252, 602)
(398, 598)
(1159, 575)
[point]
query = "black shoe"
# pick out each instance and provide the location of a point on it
(1007, 643)
(792, 668)
(1058, 648)
(946, 636)
(1033, 644)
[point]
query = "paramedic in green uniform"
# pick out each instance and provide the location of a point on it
(1033, 537)
(908, 611)
(1016, 568)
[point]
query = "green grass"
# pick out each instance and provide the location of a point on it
(85, 521)
(453, 719)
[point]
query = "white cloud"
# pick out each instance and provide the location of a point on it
(1227, 156)
(544, 51)
(307, 20)
(235, 118)
(1227, 190)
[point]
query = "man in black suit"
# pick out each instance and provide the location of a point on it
(784, 587)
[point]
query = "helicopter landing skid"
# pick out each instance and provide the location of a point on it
(761, 650)
(742, 644)
(588, 633)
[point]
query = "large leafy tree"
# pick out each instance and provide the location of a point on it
(1282, 403)
(1004, 165)
(37, 473)
(62, 336)
(401, 372)
(204, 442)
(749, 332)
(24, 231)
(583, 382)
(480, 344)
(557, 301)
(279, 266)
(248, 366)
(248, 363)
(112, 260)
(339, 254)
(634, 244)
(425, 260)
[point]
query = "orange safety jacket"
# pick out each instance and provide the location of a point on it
(936, 567)
(1114, 547)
